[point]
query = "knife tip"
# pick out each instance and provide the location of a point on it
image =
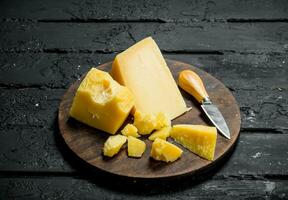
(226, 135)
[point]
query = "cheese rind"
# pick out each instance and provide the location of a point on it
(165, 151)
(113, 145)
(136, 147)
(144, 71)
(101, 102)
(199, 139)
(162, 133)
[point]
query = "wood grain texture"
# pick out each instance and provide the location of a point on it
(75, 188)
(184, 37)
(262, 99)
(34, 164)
(259, 83)
(170, 10)
(237, 71)
(87, 143)
(37, 150)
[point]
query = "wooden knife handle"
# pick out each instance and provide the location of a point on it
(192, 83)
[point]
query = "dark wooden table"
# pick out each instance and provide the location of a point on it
(47, 45)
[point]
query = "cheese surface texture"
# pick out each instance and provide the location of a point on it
(165, 151)
(147, 122)
(130, 130)
(162, 133)
(144, 71)
(113, 145)
(199, 139)
(162, 121)
(101, 102)
(136, 147)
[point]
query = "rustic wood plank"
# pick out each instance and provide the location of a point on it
(145, 10)
(38, 147)
(46, 69)
(259, 83)
(264, 76)
(236, 71)
(28, 116)
(256, 154)
(74, 188)
(243, 71)
(29, 142)
(37, 108)
(181, 37)
(29, 108)
(263, 109)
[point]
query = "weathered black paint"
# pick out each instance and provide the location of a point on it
(46, 45)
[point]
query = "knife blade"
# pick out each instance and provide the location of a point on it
(192, 83)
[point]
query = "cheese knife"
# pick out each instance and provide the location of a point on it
(192, 83)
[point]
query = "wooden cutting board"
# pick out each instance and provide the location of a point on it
(87, 142)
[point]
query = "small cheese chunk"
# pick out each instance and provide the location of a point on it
(136, 147)
(162, 121)
(143, 69)
(113, 145)
(162, 133)
(147, 122)
(101, 102)
(165, 151)
(199, 139)
(130, 130)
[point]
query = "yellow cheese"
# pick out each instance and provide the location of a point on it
(147, 122)
(199, 139)
(144, 71)
(101, 102)
(162, 121)
(130, 130)
(136, 147)
(162, 133)
(113, 145)
(165, 151)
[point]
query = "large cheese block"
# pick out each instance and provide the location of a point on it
(144, 71)
(101, 102)
(199, 139)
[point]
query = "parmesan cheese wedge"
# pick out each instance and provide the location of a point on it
(144, 71)
(199, 139)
